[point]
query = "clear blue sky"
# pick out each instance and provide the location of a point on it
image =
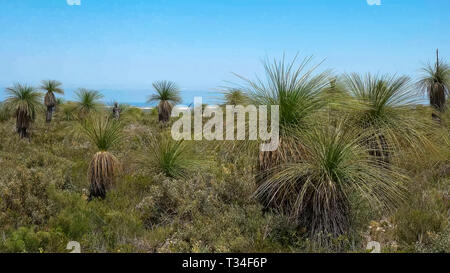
(128, 44)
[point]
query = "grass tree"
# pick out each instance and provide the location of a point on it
(104, 133)
(436, 82)
(127, 113)
(52, 88)
(316, 191)
(117, 110)
(88, 101)
(167, 94)
(336, 96)
(382, 106)
(172, 158)
(235, 97)
(24, 100)
(296, 88)
(68, 110)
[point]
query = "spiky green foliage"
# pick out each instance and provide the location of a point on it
(104, 133)
(50, 102)
(25, 101)
(52, 86)
(436, 82)
(60, 101)
(236, 97)
(42, 190)
(68, 110)
(172, 158)
(336, 96)
(88, 101)
(382, 106)
(167, 94)
(293, 86)
(317, 190)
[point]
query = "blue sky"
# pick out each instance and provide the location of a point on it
(122, 46)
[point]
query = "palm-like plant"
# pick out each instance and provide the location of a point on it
(130, 114)
(436, 82)
(104, 133)
(382, 106)
(235, 97)
(336, 96)
(316, 191)
(170, 157)
(25, 101)
(296, 89)
(168, 94)
(117, 110)
(68, 110)
(88, 101)
(50, 102)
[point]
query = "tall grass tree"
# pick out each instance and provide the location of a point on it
(52, 87)
(436, 82)
(25, 101)
(382, 106)
(104, 133)
(295, 87)
(316, 192)
(167, 95)
(88, 101)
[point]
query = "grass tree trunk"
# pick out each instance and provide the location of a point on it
(48, 117)
(50, 102)
(288, 151)
(437, 96)
(164, 111)
(116, 113)
(102, 172)
(22, 124)
(330, 217)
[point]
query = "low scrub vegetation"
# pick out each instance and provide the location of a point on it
(359, 160)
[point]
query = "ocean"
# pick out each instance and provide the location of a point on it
(138, 97)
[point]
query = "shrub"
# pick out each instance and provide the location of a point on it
(29, 240)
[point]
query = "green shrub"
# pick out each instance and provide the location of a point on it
(5, 113)
(28, 240)
(415, 225)
(23, 198)
(436, 243)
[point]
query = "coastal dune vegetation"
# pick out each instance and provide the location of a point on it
(360, 159)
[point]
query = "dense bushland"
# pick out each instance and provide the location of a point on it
(366, 164)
